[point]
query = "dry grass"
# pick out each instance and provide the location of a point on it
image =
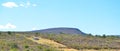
(62, 47)
(100, 50)
(52, 44)
(68, 49)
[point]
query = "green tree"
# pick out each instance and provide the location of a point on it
(104, 36)
(9, 32)
(0, 33)
(90, 34)
(13, 45)
(97, 36)
(36, 34)
(26, 46)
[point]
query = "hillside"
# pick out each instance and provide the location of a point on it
(85, 42)
(17, 42)
(26, 41)
(51, 43)
(61, 30)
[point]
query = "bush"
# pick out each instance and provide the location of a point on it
(9, 32)
(27, 50)
(40, 47)
(104, 36)
(13, 49)
(13, 45)
(26, 46)
(0, 33)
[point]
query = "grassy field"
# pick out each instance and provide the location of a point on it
(24, 41)
(53, 44)
(84, 42)
(16, 42)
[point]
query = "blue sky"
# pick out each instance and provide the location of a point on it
(90, 16)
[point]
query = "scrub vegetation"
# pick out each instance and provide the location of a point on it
(19, 41)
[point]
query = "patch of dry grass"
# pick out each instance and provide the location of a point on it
(52, 44)
(68, 49)
(63, 47)
(100, 50)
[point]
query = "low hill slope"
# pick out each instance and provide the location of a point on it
(52, 43)
(17, 42)
(84, 42)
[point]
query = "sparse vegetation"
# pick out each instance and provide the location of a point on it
(18, 42)
(85, 42)
(26, 46)
(9, 32)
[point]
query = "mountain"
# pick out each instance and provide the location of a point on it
(60, 30)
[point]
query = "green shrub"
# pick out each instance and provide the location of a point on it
(9, 32)
(14, 45)
(40, 47)
(13, 49)
(0, 33)
(26, 46)
(27, 50)
(104, 36)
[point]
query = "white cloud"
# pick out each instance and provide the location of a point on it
(34, 28)
(7, 26)
(13, 4)
(10, 4)
(28, 3)
(34, 5)
(22, 5)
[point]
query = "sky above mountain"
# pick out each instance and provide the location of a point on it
(90, 16)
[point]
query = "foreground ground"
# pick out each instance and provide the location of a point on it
(10, 41)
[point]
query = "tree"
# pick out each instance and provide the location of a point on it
(0, 33)
(9, 32)
(62, 33)
(104, 36)
(36, 34)
(97, 36)
(26, 46)
(13, 45)
(90, 34)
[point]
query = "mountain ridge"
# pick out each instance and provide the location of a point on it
(60, 30)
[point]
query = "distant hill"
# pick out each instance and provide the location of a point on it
(61, 30)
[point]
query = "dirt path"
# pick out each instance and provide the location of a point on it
(52, 44)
